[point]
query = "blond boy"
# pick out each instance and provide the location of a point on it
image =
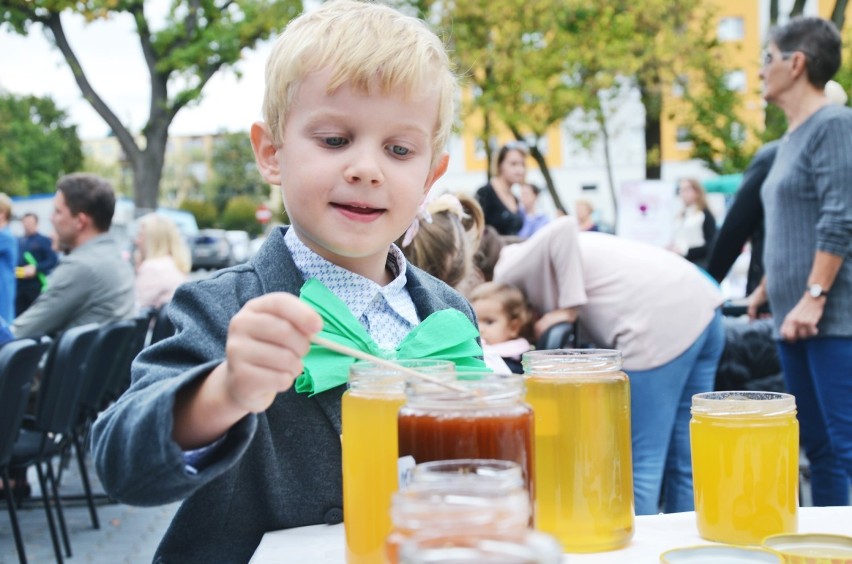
(357, 109)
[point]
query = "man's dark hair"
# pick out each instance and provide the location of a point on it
(91, 195)
(820, 42)
(30, 214)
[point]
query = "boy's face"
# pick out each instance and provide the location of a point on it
(494, 325)
(353, 169)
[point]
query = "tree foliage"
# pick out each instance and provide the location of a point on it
(197, 40)
(37, 145)
(234, 171)
(205, 212)
(239, 214)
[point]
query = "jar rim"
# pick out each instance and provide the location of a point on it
(378, 378)
(505, 473)
(743, 403)
(569, 361)
(489, 388)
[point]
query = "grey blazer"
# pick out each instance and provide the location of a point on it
(274, 470)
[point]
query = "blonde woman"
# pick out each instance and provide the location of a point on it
(162, 260)
(695, 226)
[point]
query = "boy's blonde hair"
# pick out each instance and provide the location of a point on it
(162, 239)
(5, 206)
(367, 45)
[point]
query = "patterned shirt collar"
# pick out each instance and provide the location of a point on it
(373, 305)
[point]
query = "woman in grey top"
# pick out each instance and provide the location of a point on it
(807, 198)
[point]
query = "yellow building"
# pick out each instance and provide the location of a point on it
(741, 26)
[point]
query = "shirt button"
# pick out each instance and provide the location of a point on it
(334, 516)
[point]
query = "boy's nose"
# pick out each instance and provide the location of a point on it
(365, 169)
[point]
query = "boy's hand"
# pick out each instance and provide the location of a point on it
(267, 339)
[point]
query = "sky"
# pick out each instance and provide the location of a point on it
(110, 55)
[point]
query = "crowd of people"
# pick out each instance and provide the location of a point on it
(353, 133)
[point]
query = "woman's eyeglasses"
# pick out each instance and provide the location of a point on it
(769, 57)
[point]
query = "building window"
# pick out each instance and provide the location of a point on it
(682, 136)
(730, 29)
(738, 132)
(679, 86)
(736, 81)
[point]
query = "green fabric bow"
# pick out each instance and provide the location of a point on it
(445, 335)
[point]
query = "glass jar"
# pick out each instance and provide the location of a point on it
(369, 441)
(583, 453)
(459, 498)
(529, 547)
(745, 465)
(492, 421)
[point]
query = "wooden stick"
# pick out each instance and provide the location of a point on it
(389, 364)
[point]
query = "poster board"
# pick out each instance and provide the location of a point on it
(646, 210)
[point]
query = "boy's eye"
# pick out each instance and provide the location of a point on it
(334, 141)
(399, 150)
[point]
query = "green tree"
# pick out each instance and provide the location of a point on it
(239, 214)
(205, 212)
(719, 137)
(199, 38)
(37, 145)
(234, 171)
(515, 61)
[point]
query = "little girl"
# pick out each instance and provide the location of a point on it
(504, 318)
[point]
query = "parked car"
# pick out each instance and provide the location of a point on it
(239, 241)
(211, 250)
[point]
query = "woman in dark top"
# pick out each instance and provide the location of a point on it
(499, 205)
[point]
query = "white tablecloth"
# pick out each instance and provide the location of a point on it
(323, 544)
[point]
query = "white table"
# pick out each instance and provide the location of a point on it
(323, 544)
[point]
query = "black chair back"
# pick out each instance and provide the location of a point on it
(562, 335)
(163, 326)
(18, 363)
(63, 378)
(107, 355)
(120, 378)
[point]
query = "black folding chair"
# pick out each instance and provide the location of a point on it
(49, 431)
(163, 326)
(18, 364)
(106, 356)
(562, 335)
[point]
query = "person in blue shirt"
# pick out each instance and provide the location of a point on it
(8, 261)
(36, 259)
(533, 219)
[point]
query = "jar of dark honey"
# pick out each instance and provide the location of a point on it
(491, 421)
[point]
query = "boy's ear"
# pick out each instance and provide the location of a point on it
(265, 153)
(437, 171)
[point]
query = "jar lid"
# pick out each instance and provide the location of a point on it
(743, 403)
(718, 554)
(837, 548)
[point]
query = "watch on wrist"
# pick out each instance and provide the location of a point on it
(816, 291)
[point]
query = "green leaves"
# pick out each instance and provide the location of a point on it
(37, 145)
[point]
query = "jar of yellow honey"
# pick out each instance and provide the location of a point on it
(369, 411)
(745, 465)
(583, 453)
